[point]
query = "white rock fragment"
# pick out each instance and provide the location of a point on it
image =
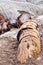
(12, 33)
(39, 58)
(24, 18)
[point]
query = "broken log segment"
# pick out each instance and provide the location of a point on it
(29, 41)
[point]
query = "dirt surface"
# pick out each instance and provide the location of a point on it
(9, 48)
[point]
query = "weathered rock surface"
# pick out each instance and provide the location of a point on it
(10, 7)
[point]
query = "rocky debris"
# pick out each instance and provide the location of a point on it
(7, 24)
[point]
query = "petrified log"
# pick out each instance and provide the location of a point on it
(29, 40)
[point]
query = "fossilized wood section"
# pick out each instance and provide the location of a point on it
(29, 39)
